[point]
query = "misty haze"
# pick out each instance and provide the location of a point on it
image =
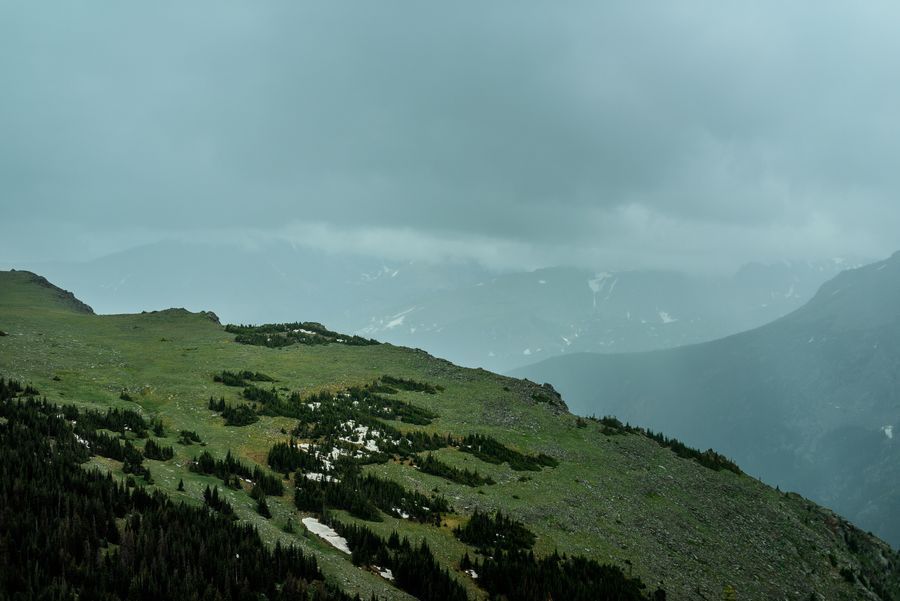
(469, 301)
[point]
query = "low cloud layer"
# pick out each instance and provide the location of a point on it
(695, 135)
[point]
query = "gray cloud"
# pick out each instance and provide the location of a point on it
(516, 133)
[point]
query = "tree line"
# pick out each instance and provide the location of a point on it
(362, 495)
(518, 575)
(276, 335)
(709, 458)
(499, 532)
(229, 470)
(234, 415)
(414, 568)
(491, 450)
(434, 466)
(240, 378)
(70, 533)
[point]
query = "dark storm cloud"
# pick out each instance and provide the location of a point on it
(514, 132)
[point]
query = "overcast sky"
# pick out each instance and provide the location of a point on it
(627, 134)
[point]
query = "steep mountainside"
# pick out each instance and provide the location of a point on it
(810, 402)
(298, 427)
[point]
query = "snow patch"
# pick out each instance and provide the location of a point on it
(596, 284)
(317, 477)
(542, 281)
(397, 321)
(526, 352)
(888, 431)
(611, 288)
(666, 318)
(386, 573)
(328, 534)
(387, 323)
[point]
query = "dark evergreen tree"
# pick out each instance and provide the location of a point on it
(431, 465)
(68, 533)
(262, 508)
(488, 532)
(152, 450)
(492, 451)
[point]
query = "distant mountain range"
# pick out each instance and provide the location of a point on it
(459, 311)
(514, 319)
(810, 402)
(272, 281)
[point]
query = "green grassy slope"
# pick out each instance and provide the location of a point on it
(617, 498)
(810, 402)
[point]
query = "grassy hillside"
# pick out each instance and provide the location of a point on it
(615, 496)
(810, 402)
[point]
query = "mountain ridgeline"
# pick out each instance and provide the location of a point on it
(289, 461)
(459, 311)
(810, 402)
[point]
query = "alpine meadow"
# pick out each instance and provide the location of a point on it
(462, 301)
